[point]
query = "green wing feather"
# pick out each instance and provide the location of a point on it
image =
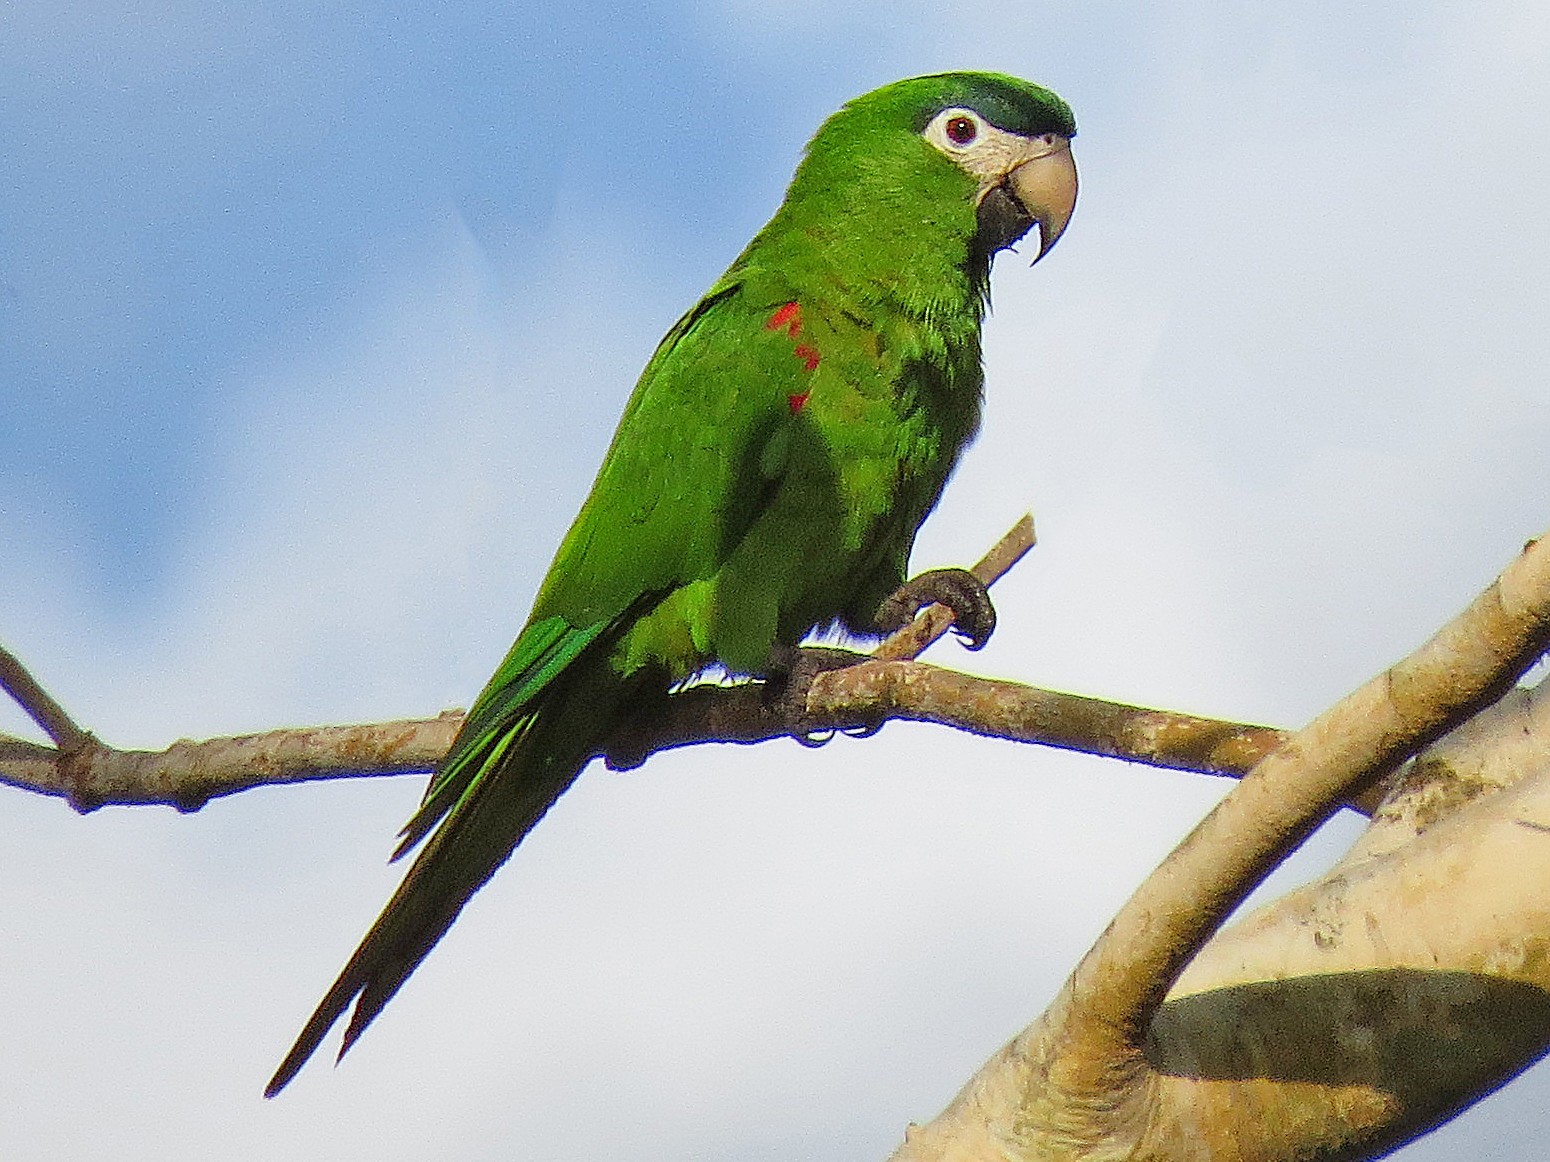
(661, 515)
(499, 717)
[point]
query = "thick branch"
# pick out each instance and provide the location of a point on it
(1079, 1081)
(1356, 1012)
(1469, 664)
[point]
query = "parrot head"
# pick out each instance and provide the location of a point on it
(970, 159)
(1014, 139)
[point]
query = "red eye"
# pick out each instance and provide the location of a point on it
(962, 130)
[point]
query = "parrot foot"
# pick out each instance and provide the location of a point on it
(792, 670)
(974, 617)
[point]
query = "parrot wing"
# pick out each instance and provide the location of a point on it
(666, 508)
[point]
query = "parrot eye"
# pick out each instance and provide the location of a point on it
(962, 130)
(955, 130)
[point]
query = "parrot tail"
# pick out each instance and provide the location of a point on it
(526, 740)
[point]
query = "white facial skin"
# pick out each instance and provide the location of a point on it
(1040, 170)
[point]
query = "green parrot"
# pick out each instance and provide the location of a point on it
(767, 478)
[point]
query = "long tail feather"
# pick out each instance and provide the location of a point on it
(464, 853)
(502, 775)
(500, 716)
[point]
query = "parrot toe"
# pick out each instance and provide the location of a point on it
(791, 672)
(974, 617)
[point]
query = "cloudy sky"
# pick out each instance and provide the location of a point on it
(313, 325)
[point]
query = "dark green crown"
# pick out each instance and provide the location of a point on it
(1008, 103)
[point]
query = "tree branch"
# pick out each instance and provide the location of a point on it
(39, 705)
(910, 641)
(188, 774)
(1085, 1078)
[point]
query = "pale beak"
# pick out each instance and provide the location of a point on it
(1046, 186)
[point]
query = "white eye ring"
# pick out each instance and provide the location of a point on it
(955, 130)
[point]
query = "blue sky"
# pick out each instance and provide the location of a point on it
(313, 324)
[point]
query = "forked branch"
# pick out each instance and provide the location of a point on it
(1100, 1075)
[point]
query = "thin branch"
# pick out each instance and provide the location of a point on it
(863, 696)
(857, 698)
(39, 705)
(910, 641)
(188, 774)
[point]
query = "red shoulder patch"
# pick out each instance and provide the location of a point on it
(786, 318)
